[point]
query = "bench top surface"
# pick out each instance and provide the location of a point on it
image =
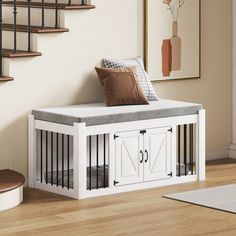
(99, 113)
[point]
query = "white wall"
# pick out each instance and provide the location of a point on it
(232, 152)
(214, 89)
(65, 75)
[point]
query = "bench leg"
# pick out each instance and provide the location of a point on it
(80, 161)
(201, 146)
(31, 152)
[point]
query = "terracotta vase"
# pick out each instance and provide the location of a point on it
(166, 57)
(176, 48)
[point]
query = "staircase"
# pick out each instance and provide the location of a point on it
(11, 189)
(19, 20)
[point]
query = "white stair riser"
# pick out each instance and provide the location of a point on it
(36, 16)
(6, 66)
(11, 199)
(21, 39)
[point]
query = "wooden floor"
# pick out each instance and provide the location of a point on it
(137, 213)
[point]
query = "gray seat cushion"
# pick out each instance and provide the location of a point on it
(98, 113)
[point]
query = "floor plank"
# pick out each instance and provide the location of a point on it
(136, 213)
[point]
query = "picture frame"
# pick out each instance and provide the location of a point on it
(172, 39)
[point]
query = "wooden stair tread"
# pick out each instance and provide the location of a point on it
(9, 53)
(5, 79)
(61, 6)
(10, 180)
(34, 29)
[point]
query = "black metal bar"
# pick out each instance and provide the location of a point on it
(57, 157)
(1, 38)
(179, 149)
(82, 2)
(14, 26)
(41, 156)
(68, 161)
(90, 162)
(185, 149)
(191, 147)
(62, 161)
(43, 8)
(69, 2)
(97, 161)
(46, 157)
(56, 14)
(104, 160)
(51, 158)
(29, 25)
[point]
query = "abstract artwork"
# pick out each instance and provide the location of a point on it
(172, 39)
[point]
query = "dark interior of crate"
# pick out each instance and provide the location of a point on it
(186, 150)
(55, 160)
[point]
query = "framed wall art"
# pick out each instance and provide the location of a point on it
(172, 39)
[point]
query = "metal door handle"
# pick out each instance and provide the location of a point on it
(141, 161)
(146, 156)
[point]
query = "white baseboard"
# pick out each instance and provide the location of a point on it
(210, 156)
(232, 151)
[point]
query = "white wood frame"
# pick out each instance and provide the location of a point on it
(80, 132)
(148, 176)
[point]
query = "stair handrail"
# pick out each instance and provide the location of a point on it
(14, 26)
(1, 38)
(29, 25)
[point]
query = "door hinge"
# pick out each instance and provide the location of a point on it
(170, 130)
(171, 174)
(143, 131)
(116, 136)
(116, 182)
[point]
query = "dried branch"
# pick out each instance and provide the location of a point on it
(181, 3)
(172, 12)
(172, 9)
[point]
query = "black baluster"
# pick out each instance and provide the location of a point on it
(179, 147)
(1, 38)
(51, 158)
(57, 157)
(29, 25)
(43, 7)
(46, 157)
(104, 160)
(68, 161)
(90, 163)
(56, 14)
(185, 149)
(82, 2)
(41, 156)
(62, 161)
(191, 147)
(97, 161)
(69, 2)
(14, 26)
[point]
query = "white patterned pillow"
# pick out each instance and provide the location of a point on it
(141, 73)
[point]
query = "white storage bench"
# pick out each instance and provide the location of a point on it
(92, 150)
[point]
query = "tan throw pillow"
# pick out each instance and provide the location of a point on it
(121, 86)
